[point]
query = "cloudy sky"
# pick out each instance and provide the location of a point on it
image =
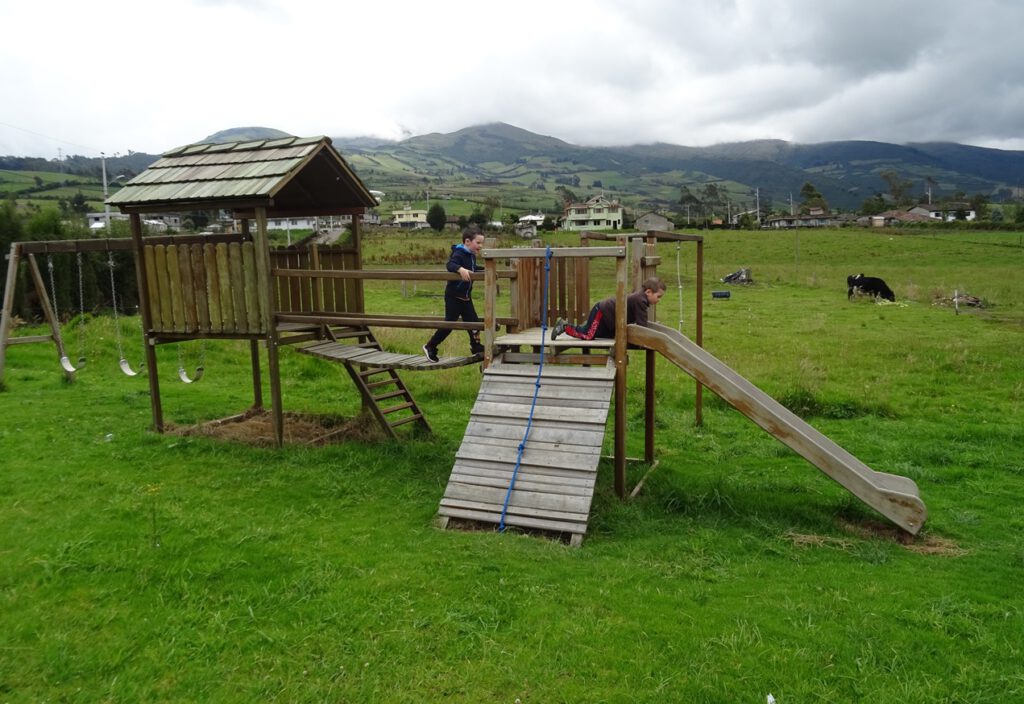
(120, 75)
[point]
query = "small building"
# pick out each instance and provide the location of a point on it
(597, 213)
(653, 221)
(947, 212)
(410, 219)
(782, 222)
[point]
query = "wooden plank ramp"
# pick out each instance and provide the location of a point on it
(556, 479)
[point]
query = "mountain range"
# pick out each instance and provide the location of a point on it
(501, 163)
(525, 169)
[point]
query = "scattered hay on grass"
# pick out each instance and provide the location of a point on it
(873, 530)
(256, 428)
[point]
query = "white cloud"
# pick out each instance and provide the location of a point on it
(151, 76)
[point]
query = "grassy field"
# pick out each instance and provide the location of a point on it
(143, 567)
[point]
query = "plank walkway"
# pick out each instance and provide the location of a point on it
(555, 484)
(378, 359)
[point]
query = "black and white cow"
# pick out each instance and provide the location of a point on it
(869, 286)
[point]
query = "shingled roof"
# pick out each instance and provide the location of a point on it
(290, 175)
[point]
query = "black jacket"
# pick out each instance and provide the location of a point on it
(461, 258)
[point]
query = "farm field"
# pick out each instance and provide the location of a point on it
(145, 567)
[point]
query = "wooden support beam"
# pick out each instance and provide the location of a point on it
(6, 313)
(145, 286)
(48, 312)
(621, 359)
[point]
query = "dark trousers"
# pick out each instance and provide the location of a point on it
(455, 308)
(590, 329)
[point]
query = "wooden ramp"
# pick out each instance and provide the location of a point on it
(555, 484)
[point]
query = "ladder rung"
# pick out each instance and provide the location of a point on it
(407, 419)
(370, 372)
(382, 382)
(400, 407)
(392, 394)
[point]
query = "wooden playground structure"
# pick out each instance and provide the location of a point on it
(535, 436)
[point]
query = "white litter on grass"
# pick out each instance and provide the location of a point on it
(771, 699)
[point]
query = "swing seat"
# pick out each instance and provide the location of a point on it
(183, 375)
(126, 367)
(68, 366)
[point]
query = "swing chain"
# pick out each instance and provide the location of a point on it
(53, 288)
(81, 310)
(113, 302)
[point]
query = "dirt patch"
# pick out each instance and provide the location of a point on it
(876, 530)
(922, 544)
(256, 428)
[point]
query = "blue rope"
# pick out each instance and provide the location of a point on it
(536, 388)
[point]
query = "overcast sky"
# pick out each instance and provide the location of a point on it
(150, 75)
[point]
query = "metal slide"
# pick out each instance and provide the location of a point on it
(895, 497)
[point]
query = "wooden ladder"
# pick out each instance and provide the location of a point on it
(384, 393)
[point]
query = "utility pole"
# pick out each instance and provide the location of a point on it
(757, 199)
(106, 206)
(791, 204)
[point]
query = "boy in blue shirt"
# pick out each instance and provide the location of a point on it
(458, 301)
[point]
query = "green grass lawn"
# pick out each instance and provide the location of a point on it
(144, 567)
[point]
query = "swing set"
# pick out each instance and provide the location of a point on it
(46, 293)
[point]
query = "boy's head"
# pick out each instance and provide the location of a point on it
(654, 289)
(473, 239)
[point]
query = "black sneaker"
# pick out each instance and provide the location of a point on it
(431, 353)
(559, 328)
(476, 349)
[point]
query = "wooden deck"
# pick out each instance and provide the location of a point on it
(532, 337)
(555, 484)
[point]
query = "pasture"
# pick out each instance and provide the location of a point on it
(144, 567)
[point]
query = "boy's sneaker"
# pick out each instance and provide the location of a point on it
(559, 328)
(431, 353)
(476, 349)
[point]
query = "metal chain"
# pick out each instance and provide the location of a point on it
(53, 288)
(81, 311)
(113, 302)
(679, 286)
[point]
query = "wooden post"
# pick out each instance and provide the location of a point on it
(490, 294)
(273, 369)
(699, 396)
(51, 317)
(621, 274)
(318, 283)
(650, 359)
(257, 381)
(357, 245)
(135, 222)
(8, 305)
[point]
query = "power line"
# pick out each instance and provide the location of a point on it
(46, 136)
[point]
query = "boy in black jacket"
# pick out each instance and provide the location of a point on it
(601, 321)
(458, 301)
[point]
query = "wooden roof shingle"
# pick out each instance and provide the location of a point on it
(291, 174)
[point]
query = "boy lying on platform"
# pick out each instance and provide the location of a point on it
(601, 321)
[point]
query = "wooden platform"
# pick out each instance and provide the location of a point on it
(555, 484)
(378, 359)
(532, 337)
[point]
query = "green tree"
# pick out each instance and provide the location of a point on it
(810, 198)
(874, 205)
(899, 188)
(436, 217)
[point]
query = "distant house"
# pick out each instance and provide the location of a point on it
(653, 221)
(596, 213)
(535, 218)
(946, 212)
(895, 217)
(782, 222)
(162, 222)
(410, 219)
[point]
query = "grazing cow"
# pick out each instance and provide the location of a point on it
(869, 286)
